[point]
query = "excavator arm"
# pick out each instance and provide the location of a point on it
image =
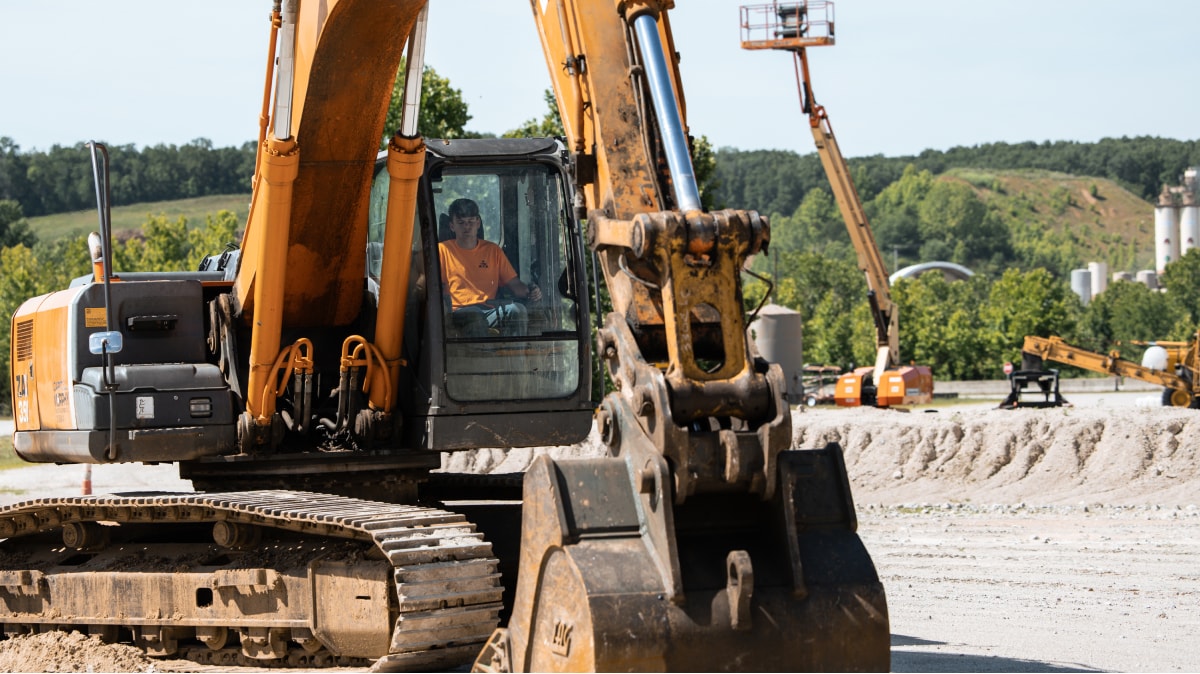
(703, 540)
(870, 262)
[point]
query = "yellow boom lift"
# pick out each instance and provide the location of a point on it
(794, 27)
(1173, 365)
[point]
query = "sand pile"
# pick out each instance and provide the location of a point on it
(1063, 455)
(978, 455)
(73, 652)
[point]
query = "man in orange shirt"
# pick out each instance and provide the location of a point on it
(474, 271)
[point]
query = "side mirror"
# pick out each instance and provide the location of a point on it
(101, 343)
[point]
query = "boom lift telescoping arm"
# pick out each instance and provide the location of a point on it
(1179, 377)
(794, 27)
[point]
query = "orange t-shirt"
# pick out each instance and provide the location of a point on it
(473, 276)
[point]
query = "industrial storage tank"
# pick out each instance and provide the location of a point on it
(1148, 278)
(1122, 276)
(778, 333)
(1081, 283)
(1099, 272)
(1166, 231)
(1189, 223)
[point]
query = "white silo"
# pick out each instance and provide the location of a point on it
(1189, 223)
(1099, 272)
(1166, 231)
(1081, 283)
(1148, 278)
(1122, 276)
(778, 332)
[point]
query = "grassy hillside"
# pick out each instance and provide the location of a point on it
(1095, 217)
(51, 227)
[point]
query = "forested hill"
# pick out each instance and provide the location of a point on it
(771, 181)
(776, 181)
(60, 180)
(1022, 216)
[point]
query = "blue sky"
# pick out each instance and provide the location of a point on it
(903, 77)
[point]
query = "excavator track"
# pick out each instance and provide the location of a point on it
(262, 577)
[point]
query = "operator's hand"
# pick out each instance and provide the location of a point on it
(535, 293)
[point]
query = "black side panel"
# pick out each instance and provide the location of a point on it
(160, 321)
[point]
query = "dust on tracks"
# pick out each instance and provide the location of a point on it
(70, 652)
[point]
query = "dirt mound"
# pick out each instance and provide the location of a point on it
(1049, 456)
(74, 652)
(978, 455)
(489, 461)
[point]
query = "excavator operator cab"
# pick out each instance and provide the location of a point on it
(497, 365)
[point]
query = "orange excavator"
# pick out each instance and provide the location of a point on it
(309, 383)
(794, 27)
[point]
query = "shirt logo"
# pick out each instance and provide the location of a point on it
(483, 264)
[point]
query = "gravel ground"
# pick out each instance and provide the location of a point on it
(1031, 540)
(1050, 589)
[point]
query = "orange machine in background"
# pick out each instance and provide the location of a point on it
(794, 27)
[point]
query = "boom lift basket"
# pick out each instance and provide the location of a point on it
(787, 25)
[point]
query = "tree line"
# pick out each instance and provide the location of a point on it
(59, 180)
(966, 330)
(963, 330)
(776, 181)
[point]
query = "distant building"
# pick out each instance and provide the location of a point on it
(1177, 220)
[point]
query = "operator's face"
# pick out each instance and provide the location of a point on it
(466, 229)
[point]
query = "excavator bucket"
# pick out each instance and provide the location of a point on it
(615, 577)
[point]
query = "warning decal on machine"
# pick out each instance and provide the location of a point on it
(94, 317)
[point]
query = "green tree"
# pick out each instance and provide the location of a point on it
(1181, 278)
(1129, 311)
(829, 337)
(14, 228)
(61, 261)
(29, 272)
(894, 213)
(18, 282)
(161, 245)
(827, 291)
(952, 223)
(704, 167)
(170, 245)
(549, 126)
(815, 222)
(941, 326)
(1032, 303)
(219, 233)
(443, 111)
